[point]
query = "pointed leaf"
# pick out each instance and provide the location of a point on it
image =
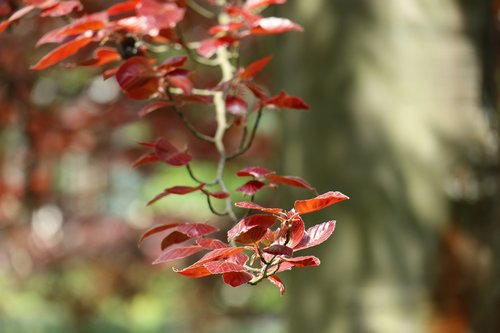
(102, 56)
(180, 190)
(285, 101)
(274, 25)
(250, 236)
(197, 271)
(217, 254)
(316, 235)
(62, 8)
(153, 106)
(274, 279)
(169, 154)
(258, 220)
(144, 159)
(177, 253)
(211, 243)
(180, 80)
(123, 8)
(291, 181)
(258, 4)
(304, 261)
(296, 231)
(217, 195)
(173, 62)
(175, 237)
(319, 202)
(16, 16)
(62, 52)
(255, 68)
(235, 279)
(195, 230)
(251, 187)
(251, 205)
(221, 267)
(255, 172)
(156, 229)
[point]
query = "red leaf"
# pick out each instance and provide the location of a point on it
(211, 243)
(217, 195)
(197, 271)
(277, 282)
(157, 229)
(123, 8)
(251, 205)
(256, 91)
(221, 267)
(153, 106)
(319, 202)
(283, 100)
(173, 238)
(235, 279)
(279, 250)
(169, 154)
(241, 228)
(269, 237)
(251, 187)
(208, 47)
(291, 181)
(61, 9)
(256, 172)
(255, 67)
(258, 4)
(218, 254)
(304, 261)
(225, 28)
(251, 236)
(62, 52)
(177, 253)
(180, 190)
(296, 231)
(316, 235)
(274, 25)
(156, 15)
(102, 56)
(16, 16)
(195, 230)
(172, 63)
(144, 159)
(137, 78)
(236, 105)
(179, 79)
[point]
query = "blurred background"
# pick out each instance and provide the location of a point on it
(403, 119)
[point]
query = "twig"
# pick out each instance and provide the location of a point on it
(245, 148)
(212, 209)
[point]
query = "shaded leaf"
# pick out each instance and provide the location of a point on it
(179, 190)
(177, 253)
(62, 52)
(319, 202)
(169, 154)
(251, 187)
(239, 231)
(274, 279)
(250, 236)
(316, 235)
(285, 101)
(153, 106)
(279, 250)
(157, 229)
(236, 105)
(179, 78)
(291, 181)
(173, 238)
(195, 230)
(235, 279)
(145, 159)
(217, 195)
(137, 78)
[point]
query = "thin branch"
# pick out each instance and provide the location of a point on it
(212, 209)
(192, 54)
(188, 124)
(196, 7)
(245, 148)
(191, 174)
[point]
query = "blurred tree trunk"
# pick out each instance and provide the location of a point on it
(396, 124)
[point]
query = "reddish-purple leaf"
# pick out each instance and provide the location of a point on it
(251, 187)
(316, 235)
(257, 91)
(274, 279)
(279, 250)
(137, 78)
(175, 237)
(217, 195)
(194, 271)
(102, 56)
(195, 230)
(172, 63)
(319, 202)
(208, 47)
(180, 190)
(157, 229)
(285, 101)
(274, 25)
(211, 243)
(153, 106)
(236, 105)
(304, 261)
(221, 267)
(177, 253)
(61, 8)
(146, 158)
(217, 254)
(296, 231)
(178, 78)
(169, 154)
(255, 68)
(62, 52)
(238, 232)
(256, 172)
(269, 237)
(251, 205)
(235, 279)
(258, 4)
(291, 181)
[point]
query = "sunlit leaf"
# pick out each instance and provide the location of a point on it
(62, 8)
(177, 253)
(211, 243)
(236, 105)
(16, 16)
(102, 56)
(291, 181)
(195, 230)
(241, 231)
(304, 261)
(217, 254)
(319, 202)
(250, 187)
(250, 236)
(256, 172)
(255, 68)
(296, 231)
(274, 279)
(274, 25)
(251, 205)
(145, 159)
(316, 235)
(194, 271)
(258, 4)
(221, 267)
(62, 52)
(179, 190)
